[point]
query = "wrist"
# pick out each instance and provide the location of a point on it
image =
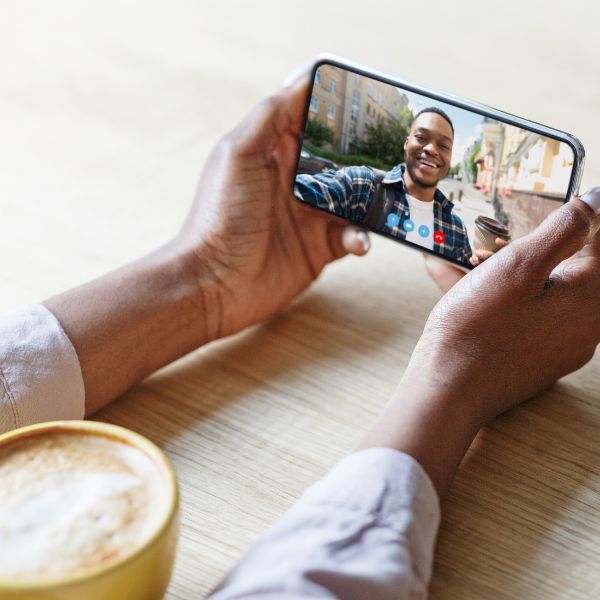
(198, 287)
(133, 321)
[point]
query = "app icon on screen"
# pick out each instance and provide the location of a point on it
(423, 231)
(408, 225)
(393, 219)
(438, 237)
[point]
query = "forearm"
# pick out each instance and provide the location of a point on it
(430, 425)
(129, 323)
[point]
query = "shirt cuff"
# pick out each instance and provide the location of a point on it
(40, 375)
(392, 487)
(366, 530)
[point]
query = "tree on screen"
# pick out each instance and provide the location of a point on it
(385, 141)
(317, 133)
(472, 154)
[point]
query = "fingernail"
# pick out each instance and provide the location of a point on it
(592, 199)
(363, 238)
(298, 75)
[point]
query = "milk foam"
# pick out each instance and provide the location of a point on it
(73, 501)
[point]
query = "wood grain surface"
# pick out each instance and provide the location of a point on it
(107, 112)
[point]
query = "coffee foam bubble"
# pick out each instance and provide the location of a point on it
(73, 501)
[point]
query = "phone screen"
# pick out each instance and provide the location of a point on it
(412, 167)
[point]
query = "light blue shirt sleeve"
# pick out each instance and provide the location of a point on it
(366, 531)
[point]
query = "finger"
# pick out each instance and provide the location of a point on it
(443, 274)
(482, 255)
(562, 234)
(260, 132)
(307, 212)
(299, 73)
(286, 155)
(346, 239)
(501, 243)
(586, 261)
(593, 246)
(592, 199)
(299, 79)
(334, 233)
(355, 241)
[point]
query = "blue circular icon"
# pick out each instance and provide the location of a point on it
(393, 219)
(423, 231)
(408, 225)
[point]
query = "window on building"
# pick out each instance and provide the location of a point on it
(368, 109)
(354, 113)
(356, 79)
(330, 111)
(314, 103)
(318, 76)
(356, 97)
(333, 86)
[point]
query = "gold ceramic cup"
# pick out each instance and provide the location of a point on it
(144, 573)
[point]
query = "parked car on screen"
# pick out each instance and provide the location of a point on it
(310, 164)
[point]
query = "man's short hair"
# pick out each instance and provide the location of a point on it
(437, 111)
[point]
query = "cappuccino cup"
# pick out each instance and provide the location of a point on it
(486, 232)
(88, 511)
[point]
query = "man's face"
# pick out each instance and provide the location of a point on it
(428, 149)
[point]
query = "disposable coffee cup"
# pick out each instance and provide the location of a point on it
(487, 230)
(88, 511)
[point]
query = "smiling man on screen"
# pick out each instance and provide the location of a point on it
(404, 202)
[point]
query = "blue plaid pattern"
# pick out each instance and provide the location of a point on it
(348, 193)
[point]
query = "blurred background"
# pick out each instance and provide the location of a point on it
(108, 110)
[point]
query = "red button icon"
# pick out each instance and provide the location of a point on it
(438, 237)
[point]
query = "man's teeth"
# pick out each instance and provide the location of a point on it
(428, 164)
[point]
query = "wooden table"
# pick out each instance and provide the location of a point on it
(107, 111)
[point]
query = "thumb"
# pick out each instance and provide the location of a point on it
(345, 239)
(355, 240)
(261, 130)
(559, 236)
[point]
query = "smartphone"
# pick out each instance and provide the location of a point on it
(442, 174)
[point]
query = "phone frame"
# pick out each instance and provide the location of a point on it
(562, 136)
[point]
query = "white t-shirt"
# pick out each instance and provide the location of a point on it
(421, 215)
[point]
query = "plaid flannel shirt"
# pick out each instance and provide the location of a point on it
(348, 193)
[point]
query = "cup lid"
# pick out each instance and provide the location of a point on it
(493, 226)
